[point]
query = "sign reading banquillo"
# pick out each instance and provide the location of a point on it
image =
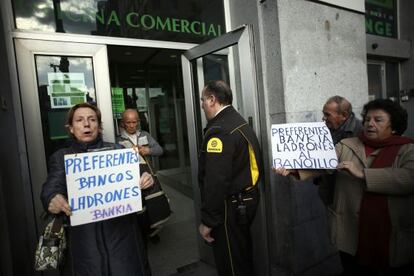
(303, 146)
(191, 21)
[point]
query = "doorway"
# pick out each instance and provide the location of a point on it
(54, 75)
(150, 81)
(376, 80)
(230, 57)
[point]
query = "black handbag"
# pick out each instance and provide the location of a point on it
(51, 248)
(155, 201)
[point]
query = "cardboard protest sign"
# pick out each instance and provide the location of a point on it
(303, 146)
(102, 185)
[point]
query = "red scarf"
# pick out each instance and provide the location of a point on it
(374, 219)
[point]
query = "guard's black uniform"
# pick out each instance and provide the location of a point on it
(229, 169)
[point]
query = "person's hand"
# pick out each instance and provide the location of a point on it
(59, 204)
(205, 232)
(146, 181)
(144, 150)
(283, 171)
(352, 169)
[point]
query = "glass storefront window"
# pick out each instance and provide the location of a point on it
(383, 80)
(150, 81)
(192, 21)
(62, 82)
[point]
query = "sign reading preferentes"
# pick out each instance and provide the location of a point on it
(303, 146)
(102, 185)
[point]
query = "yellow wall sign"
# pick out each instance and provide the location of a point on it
(214, 145)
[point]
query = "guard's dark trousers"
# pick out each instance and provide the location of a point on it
(232, 244)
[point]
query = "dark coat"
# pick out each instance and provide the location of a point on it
(109, 247)
(352, 127)
(229, 162)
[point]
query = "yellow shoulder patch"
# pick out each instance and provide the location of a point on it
(214, 145)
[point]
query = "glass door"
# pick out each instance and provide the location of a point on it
(54, 76)
(376, 80)
(229, 57)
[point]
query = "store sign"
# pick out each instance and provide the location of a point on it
(146, 22)
(355, 5)
(380, 18)
(118, 103)
(184, 21)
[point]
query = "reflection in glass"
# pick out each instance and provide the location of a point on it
(150, 80)
(62, 82)
(216, 67)
(192, 21)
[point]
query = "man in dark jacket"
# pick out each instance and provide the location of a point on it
(229, 170)
(341, 121)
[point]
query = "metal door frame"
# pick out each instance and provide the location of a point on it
(26, 49)
(242, 37)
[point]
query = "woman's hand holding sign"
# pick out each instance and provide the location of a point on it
(59, 204)
(350, 167)
(286, 172)
(283, 171)
(146, 181)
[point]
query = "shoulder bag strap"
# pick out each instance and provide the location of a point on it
(143, 157)
(57, 225)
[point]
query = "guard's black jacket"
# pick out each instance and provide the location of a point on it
(229, 163)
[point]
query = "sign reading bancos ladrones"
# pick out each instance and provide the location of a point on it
(102, 185)
(303, 146)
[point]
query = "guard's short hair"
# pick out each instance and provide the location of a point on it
(221, 90)
(398, 115)
(343, 104)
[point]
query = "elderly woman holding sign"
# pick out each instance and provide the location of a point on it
(109, 247)
(372, 217)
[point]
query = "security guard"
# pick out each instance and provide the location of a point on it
(229, 170)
